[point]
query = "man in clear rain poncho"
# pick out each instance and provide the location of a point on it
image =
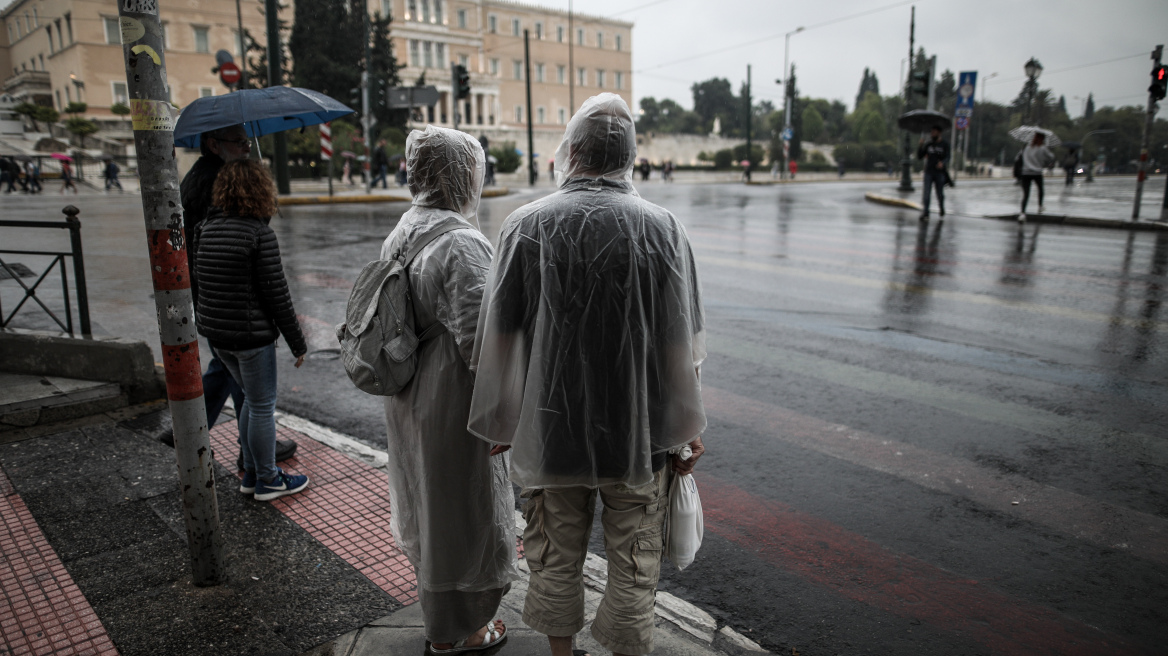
(590, 340)
(453, 507)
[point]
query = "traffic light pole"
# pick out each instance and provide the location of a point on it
(366, 119)
(748, 135)
(1142, 173)
(275, 67)
(530, 135)
(454, 95)
(906, 161)
(153, 124)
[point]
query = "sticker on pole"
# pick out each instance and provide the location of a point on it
(140, 6)
(132, 29)
(151, 115)
(787, 134)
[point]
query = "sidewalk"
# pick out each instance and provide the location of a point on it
(94, 558)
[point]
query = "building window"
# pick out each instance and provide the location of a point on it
(492, 24)
(600, 39)
(464, 61)
(206, 92)
(599, 78)
(425, 15)
(439, 17)
(202, 40)
(495, 67)
(561, 114)
(42, 58)
(539, 31)
(440, 55)
(68, 95)
(579, 36)
(112, 30)
(120, 95)
(462, 18)
(412, 9)
(385, 8)
(620, 80)
(519, 113)
(36, 20)
(60, 35)
(617, 42)
(539, 113)
(414, 52)
(517, 69)
(57, 92)
(559, 34)
(52, 46)
(539, 72)
(561, 75)
(581, 77)
(69, 27)
(515, 31)
(427, 54)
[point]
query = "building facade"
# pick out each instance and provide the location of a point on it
(55, 52)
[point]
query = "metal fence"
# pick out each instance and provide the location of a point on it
(13, 269)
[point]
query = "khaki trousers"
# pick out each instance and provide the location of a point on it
(555, 543)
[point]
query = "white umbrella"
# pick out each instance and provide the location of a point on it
(1025, 134)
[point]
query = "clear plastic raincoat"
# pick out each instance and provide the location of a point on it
(453, 507)
(591, 332)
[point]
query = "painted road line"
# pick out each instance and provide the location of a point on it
(859, 569)
(1136, 446)
(955, 296)
(1100, 523)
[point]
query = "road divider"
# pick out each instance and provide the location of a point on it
(894, 202)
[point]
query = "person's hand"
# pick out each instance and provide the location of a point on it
(500, 448)
(299, 361)
(940, 165)
(687, 466)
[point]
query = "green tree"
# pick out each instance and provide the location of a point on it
(868, 126)
(714, 98)
(75, 108)
(868, 83)
(257, 55)
(37, 113)
(81, 127)
(119, 109)
(945, 93)
(812, 124)
(384, 68)
(509, 160)
(667, 117)
(1089, 111)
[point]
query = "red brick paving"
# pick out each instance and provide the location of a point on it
(43, 610)
(346, 508)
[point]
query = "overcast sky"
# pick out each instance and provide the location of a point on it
(987, 36)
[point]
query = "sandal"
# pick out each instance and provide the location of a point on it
(493, 638)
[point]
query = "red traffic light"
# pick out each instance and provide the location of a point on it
(1160, 74)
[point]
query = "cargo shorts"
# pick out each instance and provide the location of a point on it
(555, 543)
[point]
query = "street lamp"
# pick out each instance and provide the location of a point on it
(1033, 70)
(787, 97)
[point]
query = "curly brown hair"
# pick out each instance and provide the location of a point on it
(244, 187)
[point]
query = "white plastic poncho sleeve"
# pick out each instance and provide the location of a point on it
(591, 330)
(453, 507)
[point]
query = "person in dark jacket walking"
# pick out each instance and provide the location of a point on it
(244, 306)
(111, 175)
(380, 166)
(217, 147)
(935, 152)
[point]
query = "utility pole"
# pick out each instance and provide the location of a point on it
(530, 135)
(242, 47)
(932, 83)
(142, 52)
(748, 112)
(1142, 174)
(366, 119)
(275, 69)
(906, 161)
(454, 94)
(788, 90)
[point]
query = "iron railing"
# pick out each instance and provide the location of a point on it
(73, 224)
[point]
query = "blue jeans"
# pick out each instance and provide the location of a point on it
(255, 371)
(934, 177)
(382, 175)
(217, 386)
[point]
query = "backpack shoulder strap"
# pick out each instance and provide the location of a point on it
(417, 247)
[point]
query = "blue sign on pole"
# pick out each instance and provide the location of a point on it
(966, 86)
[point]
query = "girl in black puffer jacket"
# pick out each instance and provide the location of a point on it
(243, 306)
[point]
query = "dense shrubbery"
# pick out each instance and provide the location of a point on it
(508, 159)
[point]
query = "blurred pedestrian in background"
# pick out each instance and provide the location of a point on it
(1033, 159)
(935, 152)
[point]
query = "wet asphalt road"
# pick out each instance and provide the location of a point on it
(948, 438)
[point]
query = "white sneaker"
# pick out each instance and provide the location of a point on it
(1042, 209)
(1022, 217)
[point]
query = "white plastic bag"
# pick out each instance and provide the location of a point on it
(685, 526)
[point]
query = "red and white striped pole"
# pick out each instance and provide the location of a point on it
(326, 151)
(153, 124)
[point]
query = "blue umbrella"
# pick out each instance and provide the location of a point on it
(261, 111)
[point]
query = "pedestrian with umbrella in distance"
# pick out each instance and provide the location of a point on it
(1031, 161)
(66, 172)
(935, 152)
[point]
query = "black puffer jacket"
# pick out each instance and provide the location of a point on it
(244, 302)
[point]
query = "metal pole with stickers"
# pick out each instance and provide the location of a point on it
(153, 121)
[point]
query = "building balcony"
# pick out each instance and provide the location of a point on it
(30, 86)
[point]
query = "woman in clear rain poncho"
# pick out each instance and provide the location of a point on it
(590, 339)
(452, 505)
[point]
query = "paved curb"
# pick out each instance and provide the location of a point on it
(492, 192)
(894, 202)
(1084, 221)
(127, 362)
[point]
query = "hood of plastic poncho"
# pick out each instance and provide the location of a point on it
(600, 142)
(446, 169)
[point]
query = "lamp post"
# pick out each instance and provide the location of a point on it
(787, 98)
(1033, 70)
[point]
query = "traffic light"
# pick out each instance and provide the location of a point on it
(919, 84)
(463, 79)
(1159, 86)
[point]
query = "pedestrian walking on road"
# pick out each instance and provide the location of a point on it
(8, 174)
(111, 175)
(588, 353)
(1033, 159)
(380, 166)
(793, 168)
(216, 147)
(1071, 164)
(243, 307)
(67, 177)
(453, 507)
(935, 152)
(403, 176)
(646, 169)
(32, 171)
